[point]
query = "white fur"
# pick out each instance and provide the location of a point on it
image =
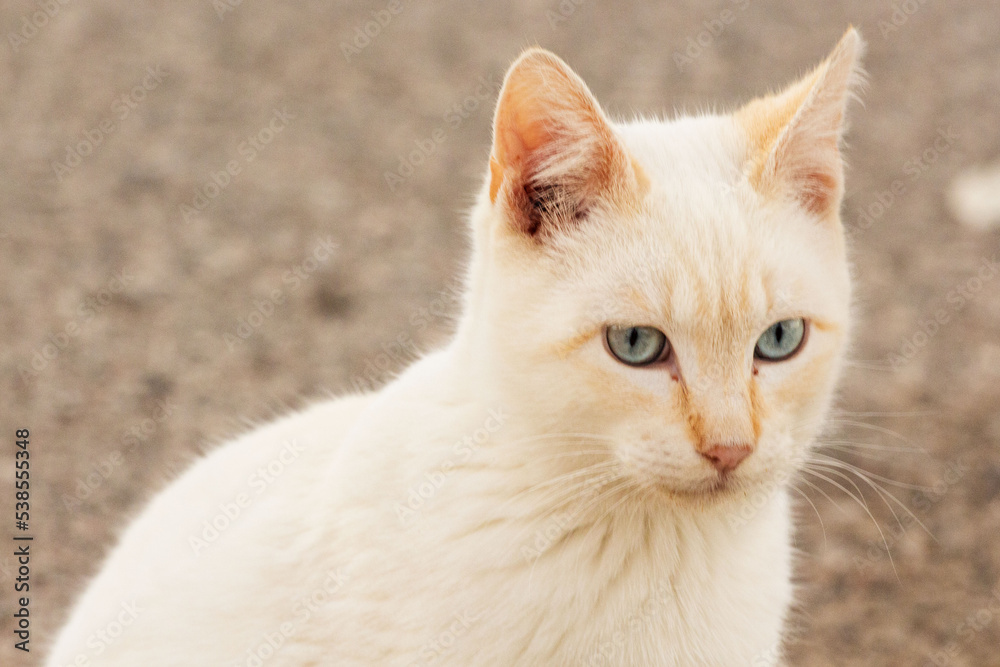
(438, 520)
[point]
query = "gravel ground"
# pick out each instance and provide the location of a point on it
(167, 167)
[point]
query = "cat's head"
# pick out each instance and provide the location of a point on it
(675, 292)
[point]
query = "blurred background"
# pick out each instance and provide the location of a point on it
(212, 211)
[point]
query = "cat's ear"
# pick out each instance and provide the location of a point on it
(794, 136)
(555, 154)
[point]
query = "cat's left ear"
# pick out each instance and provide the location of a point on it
(794, 136)
(555, 155)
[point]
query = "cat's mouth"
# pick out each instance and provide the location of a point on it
(696, 483)
(716, 487)
(722, 484)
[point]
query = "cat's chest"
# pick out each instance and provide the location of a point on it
(619, 593)
(651, 595)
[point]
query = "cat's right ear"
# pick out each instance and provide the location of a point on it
(795, 136)
(555, 155)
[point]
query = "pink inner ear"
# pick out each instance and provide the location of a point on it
(819, 191)
(543, 106)
(522, 130)
(532, 121)
(553, 150)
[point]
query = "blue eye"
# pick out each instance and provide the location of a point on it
(636, 346)
(781, 340)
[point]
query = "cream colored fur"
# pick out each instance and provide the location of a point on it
(520, 497)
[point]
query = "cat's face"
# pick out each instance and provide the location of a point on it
(677, 293)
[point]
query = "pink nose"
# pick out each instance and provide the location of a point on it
(725, 458)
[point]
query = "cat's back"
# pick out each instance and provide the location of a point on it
(249, 497)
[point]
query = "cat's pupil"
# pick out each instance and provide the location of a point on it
(778, 333)
(633, 337)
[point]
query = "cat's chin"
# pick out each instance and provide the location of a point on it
(716, 489)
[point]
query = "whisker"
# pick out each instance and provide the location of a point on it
(847, 449)
(576, 480)
(568, 454)
(870, 446)
(864, 505)
(811, 504)
(820, 490)
(880, 491)
(871, 427)
(628, 496)
(579, 511)
(569, 436)
(557, 497)
(868, 365)
(622, 483)
(911, 413)
(867, 473)
(818, 468)
(844, 476)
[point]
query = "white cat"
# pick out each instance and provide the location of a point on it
(592, 472)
